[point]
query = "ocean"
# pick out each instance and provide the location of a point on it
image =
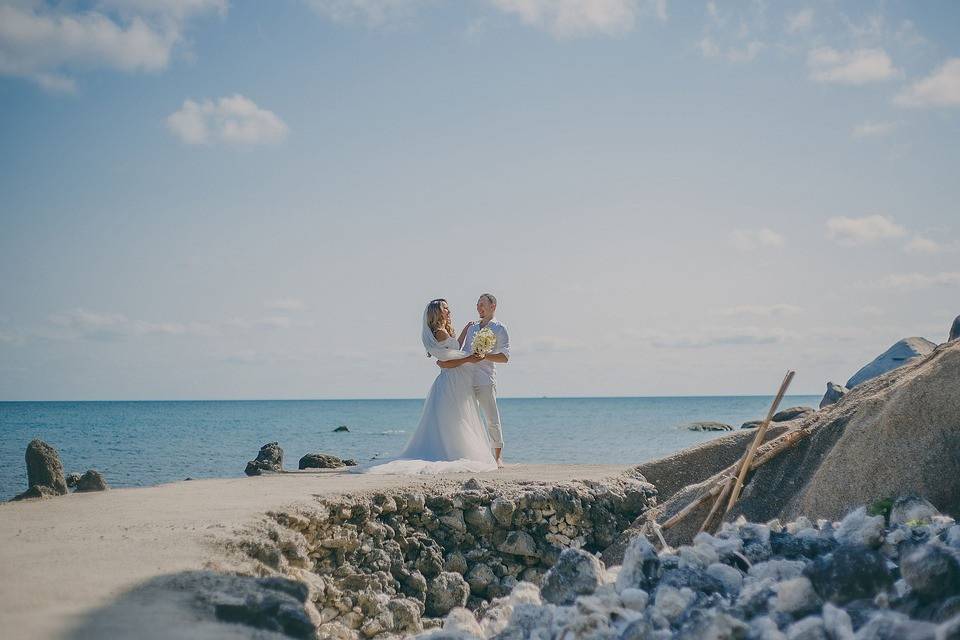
(136, 444)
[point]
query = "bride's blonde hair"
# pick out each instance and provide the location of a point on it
(435, 317)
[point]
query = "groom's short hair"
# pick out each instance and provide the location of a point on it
(492, 299)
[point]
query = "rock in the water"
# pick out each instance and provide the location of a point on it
(91, 481)
(954, 330)
(320, 461)
(932, 571)
(792, 413)
(751, 424)
(849, 573)
(341, 429)
(73, 479)
(44, 467)
(709, 426)
(899, 354)
(833, 394)
(446, 591)
(270, 458)
(576, 573)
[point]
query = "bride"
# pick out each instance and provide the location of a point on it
(450, 436)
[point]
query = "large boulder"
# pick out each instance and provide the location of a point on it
(954, 330)
(833, 394)
(576, 573)
(903, 352)
(44, 471)
(898, 434)
(323, 461)
(270, 458)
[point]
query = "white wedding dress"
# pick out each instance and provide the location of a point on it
(451, 436)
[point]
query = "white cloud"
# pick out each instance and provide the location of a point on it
(920, 280)
(873, 129)
(765, 311)
(571, 18)
(750, 239)
(284, 304)
(270, 322)
(940, 89)
(865, 230)
(82, 323)
(800, 20)
(234, 119)
(552, 344)
(45, 43)
(920, 244)
(720, 337)
(857, 67)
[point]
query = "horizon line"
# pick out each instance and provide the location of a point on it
(656, 397)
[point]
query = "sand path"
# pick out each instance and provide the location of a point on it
(62, 558)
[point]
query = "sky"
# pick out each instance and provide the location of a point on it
(204, 199)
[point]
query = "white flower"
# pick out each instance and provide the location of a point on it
(484, 341)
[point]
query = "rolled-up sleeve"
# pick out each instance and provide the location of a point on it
(503, 341)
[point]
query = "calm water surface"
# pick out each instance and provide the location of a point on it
(146, 443)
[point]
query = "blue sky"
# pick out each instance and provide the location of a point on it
(204, 199)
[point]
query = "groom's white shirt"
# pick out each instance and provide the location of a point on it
(485, 372)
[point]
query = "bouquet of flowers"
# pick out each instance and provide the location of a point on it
(484, 341)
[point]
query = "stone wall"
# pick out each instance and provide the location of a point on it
(396, 563)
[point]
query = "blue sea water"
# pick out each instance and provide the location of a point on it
(147, 443)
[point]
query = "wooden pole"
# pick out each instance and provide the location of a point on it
(758, 438)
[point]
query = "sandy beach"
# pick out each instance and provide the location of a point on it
(67, 560)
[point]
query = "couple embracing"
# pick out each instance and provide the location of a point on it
(451, 435)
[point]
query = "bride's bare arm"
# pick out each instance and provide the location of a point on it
(456, 362)
(463, 334)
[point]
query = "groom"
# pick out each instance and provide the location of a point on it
(485, 371)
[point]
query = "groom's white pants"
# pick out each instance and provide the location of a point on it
(486, 396)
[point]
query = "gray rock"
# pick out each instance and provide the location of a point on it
(406, 615)
(949, 630)
(954, 330)
(44, 467)
(480, 577)
(472, 485)
(576, 573)
(480, 520)
(901, 353)
(446, 591)
(519, 543)
(795, 597)
(792, 413)
(849, 573)
(751, 424)
(671, 603)
(911, 509)
(270, 458)
(503, 509)
(709, 426)
(91, 481)
(456, 562)
(859, 528)
(890, 625)
(807, 629)
(764, 628)
(730, 578)
(641, 566)
(837, 623)
(777, 570)
(72, 480)
(341, 429)
(833, 394)
(932, 571)
(320, 461)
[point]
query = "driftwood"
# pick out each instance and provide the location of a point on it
(745, 463)
(723, 480)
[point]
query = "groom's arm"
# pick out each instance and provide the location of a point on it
(502, 358)
(502, 353)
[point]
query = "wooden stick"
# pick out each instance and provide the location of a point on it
(680, 515)
(761, 431)
(715, 509)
